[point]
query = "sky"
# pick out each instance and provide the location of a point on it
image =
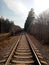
(17, 10)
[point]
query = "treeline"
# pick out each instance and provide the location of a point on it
(38, 26)
(5, 25)
(16, 30)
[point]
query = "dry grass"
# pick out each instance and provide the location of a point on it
(43, 48)
(7, 42)
(5, 34)
(6, 45)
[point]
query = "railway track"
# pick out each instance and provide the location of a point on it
(24, 53)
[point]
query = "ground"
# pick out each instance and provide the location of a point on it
(6, 45)
(43, 48)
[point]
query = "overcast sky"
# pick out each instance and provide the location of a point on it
(17, 10)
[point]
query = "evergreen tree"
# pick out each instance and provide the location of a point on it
(29, 20)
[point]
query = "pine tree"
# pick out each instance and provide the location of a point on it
(29, 20)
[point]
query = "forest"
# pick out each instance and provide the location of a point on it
(35, 25)
(38, 25)
(5, 25)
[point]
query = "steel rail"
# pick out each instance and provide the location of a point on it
(12, 52)
(30, 42)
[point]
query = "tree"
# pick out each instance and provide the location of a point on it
(5, 25)
(29, 20)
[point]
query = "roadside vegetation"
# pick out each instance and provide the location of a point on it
(38, 25)
(5, 25)
(8, 27)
